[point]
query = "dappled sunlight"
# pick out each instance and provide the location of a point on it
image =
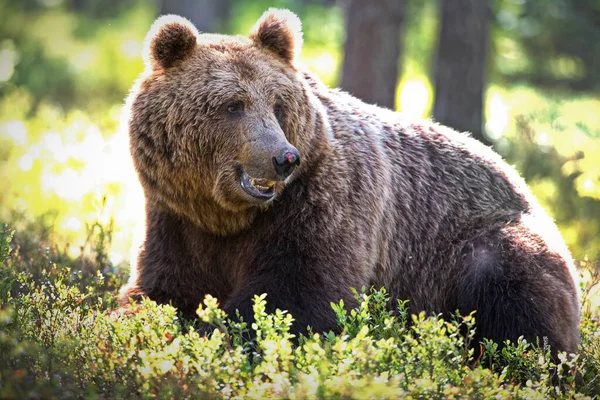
(15, 131)
(497, 116)
(8, 59)
(570, 126)
(83, 60)
(72, 160)
(415, 97)
(85, 175)
(131, 48)
(323, 63)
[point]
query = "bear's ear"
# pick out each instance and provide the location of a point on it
(170, 39)
(279, 31)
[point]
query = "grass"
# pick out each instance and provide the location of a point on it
(61, 336)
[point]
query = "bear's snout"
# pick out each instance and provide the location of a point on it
(286, 162)
(269, 154)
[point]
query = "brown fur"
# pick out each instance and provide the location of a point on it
(431, 214)
(172, 39)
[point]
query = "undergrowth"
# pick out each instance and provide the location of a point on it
(61, 336)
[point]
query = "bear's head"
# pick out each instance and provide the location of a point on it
(216, 121)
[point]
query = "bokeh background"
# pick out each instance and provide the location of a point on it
(522, 75)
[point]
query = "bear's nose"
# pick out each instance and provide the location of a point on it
(286, 162)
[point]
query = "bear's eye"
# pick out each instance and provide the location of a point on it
(235, 107)
(278, 110)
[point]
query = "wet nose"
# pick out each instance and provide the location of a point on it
(286, 162)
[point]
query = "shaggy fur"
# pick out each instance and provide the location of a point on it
(170, 40)
(431, 214)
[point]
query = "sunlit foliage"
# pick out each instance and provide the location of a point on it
(61, 336)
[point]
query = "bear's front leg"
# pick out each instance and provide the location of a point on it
(171, 270)
(306, 296)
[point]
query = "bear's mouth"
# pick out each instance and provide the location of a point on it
(262, 189)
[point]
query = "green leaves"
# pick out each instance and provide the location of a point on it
(59, 337)
(5, 238)
(6, 274)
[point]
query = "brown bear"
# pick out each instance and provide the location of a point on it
(260, 179)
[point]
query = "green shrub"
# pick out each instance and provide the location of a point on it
(61, 336)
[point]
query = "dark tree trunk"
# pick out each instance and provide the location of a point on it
(372, 49)
(460, 69)
(207, 15)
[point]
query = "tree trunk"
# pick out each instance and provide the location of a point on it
(460, 68)
(207, 15)
(372, 49)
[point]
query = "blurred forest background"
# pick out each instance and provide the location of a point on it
(522, 75)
